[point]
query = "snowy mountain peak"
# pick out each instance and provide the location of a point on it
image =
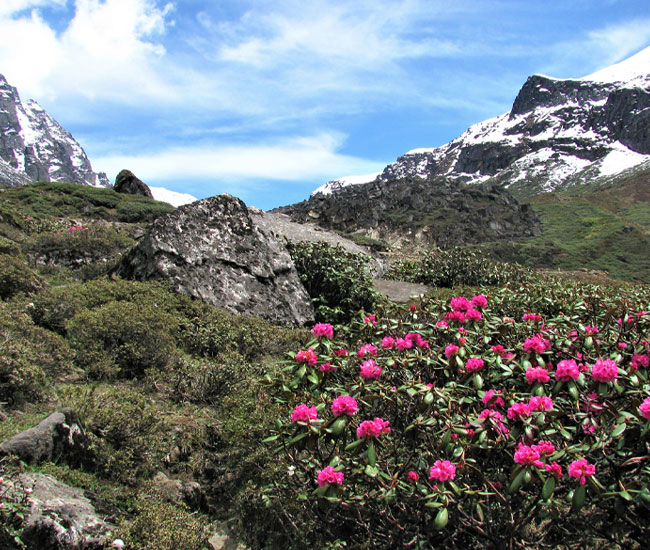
(633, 70)
(32, 143)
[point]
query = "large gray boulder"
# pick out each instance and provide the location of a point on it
(59, 437)
(127, 182)
(58, 516)
(213, 250)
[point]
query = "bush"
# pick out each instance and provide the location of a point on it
(464, 431)
(16, 276)
(338, 282)
(122, 338)
(142, 211)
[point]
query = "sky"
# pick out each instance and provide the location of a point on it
(267, 100)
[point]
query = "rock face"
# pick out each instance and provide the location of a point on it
(127, 182)
(212, 249)
(436, 212)
(558, 133)
(59, 437)
(59, 516)
(35, 145)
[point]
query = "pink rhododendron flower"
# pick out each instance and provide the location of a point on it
(537, 374)
(416, 339)
(457, 316)
(639, 361)
(442, 470)
(462, 341)
(341, 352)
(519, 411)
(403, 344)
(328, 367)
(527, 455)
(544, 447)
(580, 469)
(554, 469)
(323, 329)
(645, 408)
(474, 364)
(304, 413)
(479, 301)
(413, 307)
(307, 356)
(536, 344)
(450, 350)
(373, 428)
(473, 315)
(370, 370)
(591, 330)
(460, 303)
(442, 324)
(413, 476)
(344, 404)
(497, 419)
(567, 370)
(367, 349)
(370, 320)
(328, 476)
(540, 403)
(531, 317)
(498, 350)
(492, 398)
(605, 370)
(388, 342)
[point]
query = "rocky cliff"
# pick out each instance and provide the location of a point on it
(34, 146)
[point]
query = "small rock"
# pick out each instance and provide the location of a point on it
(127, 182)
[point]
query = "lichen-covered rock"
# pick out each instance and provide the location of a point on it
(60, 436)
(212, 250)
(58, 517)
(127, 182)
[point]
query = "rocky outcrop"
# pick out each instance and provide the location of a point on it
(212, 249)
(435, 212)
(58, 516)
(37, 146)
(60, 437)
(127, 182)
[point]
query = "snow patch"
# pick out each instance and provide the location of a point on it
(172, 197)
(633, 70)
(619, 159)
(339, 183)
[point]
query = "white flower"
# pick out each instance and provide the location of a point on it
(118, 543)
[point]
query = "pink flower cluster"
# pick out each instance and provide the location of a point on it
(639, 361)
(492, 398)
(496, 418)
(373, 428)
(370, 319)
(536, 344)
(367, 349)
(370, 370)
(519, 411)
(605, 370)
(474, 364)
(324, 330)
(304, 413)
(500, 351)
(567, 370)
(442, 470)
(466, 310)
(531, 317)
(645, 408)
(451, 350)
(537, 374)
(344, 404)
(580, 469)
(307, 356)
(328, 476)
(532, 454)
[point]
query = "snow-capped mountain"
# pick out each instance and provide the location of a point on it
(559, 132)
(34, 146)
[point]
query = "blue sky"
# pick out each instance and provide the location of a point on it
(267, 100)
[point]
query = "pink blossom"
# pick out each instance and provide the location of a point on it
(341, 352)
(370, 320)
(536, 344)
(328, 476)
(388, 342)
(328, 367)
(402, 344)
(498, 350)
(474, 364)
(323, 329)
(304, 413)
(457, 316)
(645, 408)
(344, 404)
(450, 350)
(554, 469)
(416, 338)
(442, 324)
(591, 330)
(367, 349)
(537, 374)
(479, 301)
(492, 398)
(413, 476)
(540, 403)
(519, 411)
(373, 428)
(442, 470)
(544, 447)
(460, 303)
(639, 361)
(307, 356)
(370, 370)
(497, 419)
(473, 315)
(567, 370)
(605, 370)
(413, 307)
(531, 317)
(580, 469)
(527, 455)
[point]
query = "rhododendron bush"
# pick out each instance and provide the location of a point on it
(436, 427)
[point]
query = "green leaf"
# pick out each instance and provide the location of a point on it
(517, 481)
(269, 439)
(619, 429)
(372, 457)
(353, 445)
(339, 425)
(549, 487)
(442, 518)
(579, 496)
(371, 471)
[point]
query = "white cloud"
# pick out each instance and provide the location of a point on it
(298, 159)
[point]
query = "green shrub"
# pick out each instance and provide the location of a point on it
(338, 282)
(142, 211)
(16, 276)
(122, 338)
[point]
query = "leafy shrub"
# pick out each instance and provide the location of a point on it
(122, 338)
(338, 282)
(142, 211)
(457, 266)
(16, 276)
(430, 457)
(31, 358)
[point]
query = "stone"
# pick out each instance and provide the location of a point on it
(212, 250)
(60, 436)
(127, 182)
(177, 491)
(58, 517)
